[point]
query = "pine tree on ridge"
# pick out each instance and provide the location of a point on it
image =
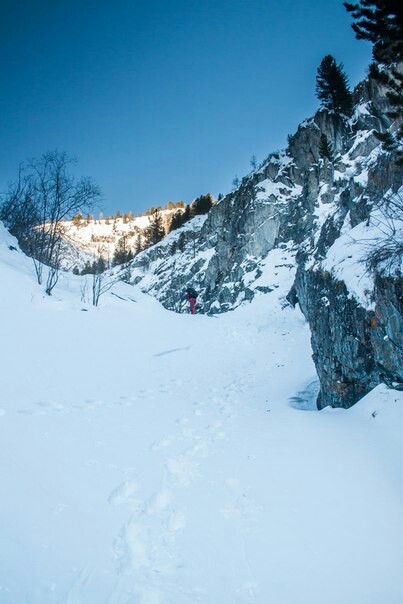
(332, 86)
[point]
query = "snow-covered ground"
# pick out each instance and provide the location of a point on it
(88, 240)
(155, 458)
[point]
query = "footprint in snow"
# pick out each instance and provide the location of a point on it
(94, 402)
(164, 443)
(60, 508)
(247, 592)
(176, 522)
(51, 406)
(126, 494)
(143, 546)
(30, 412)
(181, 470)
(159, 502)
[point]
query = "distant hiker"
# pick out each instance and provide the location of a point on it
(190, 295)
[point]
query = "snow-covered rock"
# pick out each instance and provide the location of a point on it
(306, 208)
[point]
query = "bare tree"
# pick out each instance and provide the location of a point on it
(36, 205)
(101, 283)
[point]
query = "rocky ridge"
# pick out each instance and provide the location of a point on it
(320, 217)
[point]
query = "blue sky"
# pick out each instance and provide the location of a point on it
(163, 100)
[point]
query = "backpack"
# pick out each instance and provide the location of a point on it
(191, 292)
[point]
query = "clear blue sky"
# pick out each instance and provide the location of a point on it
(163, 99)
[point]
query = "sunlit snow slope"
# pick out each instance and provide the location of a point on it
(155, 458)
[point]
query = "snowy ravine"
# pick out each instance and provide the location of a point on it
(149, 457)
(301, 209)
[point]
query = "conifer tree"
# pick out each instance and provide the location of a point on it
(138, 245)
(325, 148)
(155, 231)
(381, 22)
(186, 214)
(332, 86)
(123, 252)
(202, 204)
(173, 247)
(181, 242)
(176, 222)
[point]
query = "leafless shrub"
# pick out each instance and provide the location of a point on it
(44, 195)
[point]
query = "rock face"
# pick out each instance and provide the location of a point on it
(307, 208)
(354, 348)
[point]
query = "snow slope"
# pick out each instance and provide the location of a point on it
(149, 457)
(94, 238)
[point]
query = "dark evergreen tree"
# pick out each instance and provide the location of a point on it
(332, 86)
(381, 22)
(177, 221)
(155, 231)
(138, 245)
(202, 204)
(173, 248)
(325, 148)
(181, 242)
(99, 266)
(186, 214)
(123, 252)
(87, 269)
(96, 267)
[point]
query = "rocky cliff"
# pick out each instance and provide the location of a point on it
(324, 220)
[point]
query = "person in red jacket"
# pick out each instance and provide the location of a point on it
(191, 295)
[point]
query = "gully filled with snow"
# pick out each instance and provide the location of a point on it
(152, 458)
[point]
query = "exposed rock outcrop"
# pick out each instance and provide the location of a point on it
(304, 204)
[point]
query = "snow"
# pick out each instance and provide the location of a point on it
(268, 188)
(363, 109)
(346, 259)
(155, 458)
(91, 239)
